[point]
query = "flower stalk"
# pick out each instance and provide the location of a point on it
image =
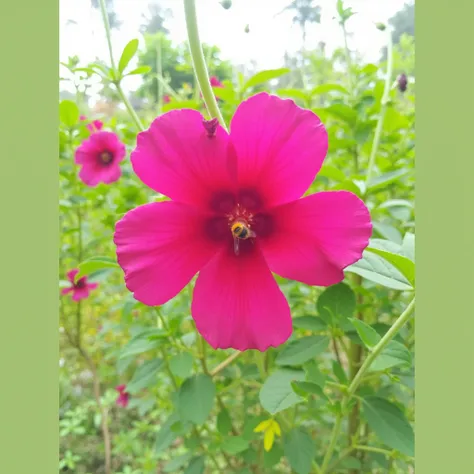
(199, 62)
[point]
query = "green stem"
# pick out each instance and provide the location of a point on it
(372, 449)
(383, 108)
(348, 59)
(199, 62)
(389, 335)
(129, 107)
(105, 18)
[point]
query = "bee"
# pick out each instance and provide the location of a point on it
(241, 231)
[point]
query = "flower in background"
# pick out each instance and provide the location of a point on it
(236, 215)
(166, 99)
(402, 82)
(270, 428)
(123, 397)
(100, 156)
(94, 126)
(79, 289)
(215, 82)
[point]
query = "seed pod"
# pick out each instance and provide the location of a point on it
(402, 82)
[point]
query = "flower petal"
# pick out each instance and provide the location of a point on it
(92, 286)
(160, 247)
(80, 294)
(280, 147)
(65, 291)
(316, 237)
(71, 274)
(177, 158)
(238, 304)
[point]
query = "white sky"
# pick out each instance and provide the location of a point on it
(266, 43)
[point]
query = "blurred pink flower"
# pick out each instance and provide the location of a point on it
(94, 126)
(123, 396)
(236, 215)
(100, 156)
(80, 289)
(215, 82)
(166, 99)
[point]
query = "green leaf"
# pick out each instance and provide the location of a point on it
(369, 336)
(299, 351)
(314, 374)
(177, 463)
(272, 457)
(395, 354)
(139, 71)
(342, 112)
(389, 232)
(408, 246)
(337, 301)
(277, 394)
(93, 264)
(166, 436)
(376, 269)
(350, 463)
(181, 364)
(403, 264)
(234, 445)
(195, 466)
(312, 323)
(339, 372)
(385, 179)
(388, 422)
(299, 449)
(264, 76)
(137, 346)
(305, 388)
(293, 94)
(196, 398)
(224, 422)
(68, 113)
(332, 172)
(127, 54)
(144, 376)
(325, 88)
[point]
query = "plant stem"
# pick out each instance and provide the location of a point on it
(383, 108)
(348, 59)
(389, 335)
(199, 62)
(105, 18)
(224, 364)
(129, 107)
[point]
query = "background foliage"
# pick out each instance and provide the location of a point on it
(195, 410)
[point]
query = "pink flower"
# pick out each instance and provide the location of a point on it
(236, 215)
(99, 156)
(80, 289)
(123, 396)
(94, 126)
(215, 82)
(166, 99)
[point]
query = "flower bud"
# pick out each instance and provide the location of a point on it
(247, 28)
(402, 82)
(380, 26)
(226, 4)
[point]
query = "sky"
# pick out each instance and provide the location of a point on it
(271, 34)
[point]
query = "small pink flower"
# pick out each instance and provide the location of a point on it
(215, 82)
(100, 156)
(123, 397)
(94, 126)
(236, 215)
(166, 99)
(80, 289)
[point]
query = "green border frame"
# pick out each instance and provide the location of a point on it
(444, 237)
(29, 39)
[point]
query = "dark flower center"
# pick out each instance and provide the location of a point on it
(80, 284)
(240, 219)
(106, 157)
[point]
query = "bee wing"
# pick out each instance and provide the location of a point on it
(236, 246)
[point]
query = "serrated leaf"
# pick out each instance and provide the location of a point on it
(376, 269)
(196, 398)
(264, 76)
(300, 450)
(299, 351)
(68, 113)
(127, 54)
(394, 355)
(369, 336)
(144, 376)
(389, 423)
(234, 445)
(403, 264)
(305, 388)
(181, 364)
(337, 301)
(277, 394)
